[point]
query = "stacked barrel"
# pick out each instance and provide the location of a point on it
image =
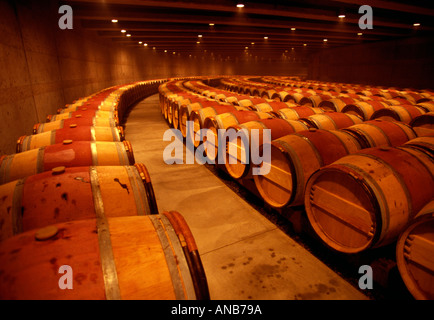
(79, 218)
(356, 160)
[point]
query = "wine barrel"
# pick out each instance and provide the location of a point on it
(403, 113)
(72, 122)
(301, 98)
(103, 105)
(423, 125)
(425, 120)
(425, 144)
(167, 102)
(414, 252)
(67, 154)
(287, 96)
(296, 113)
(397, 102)
(295, 157)
(185, 112)
(314, 100)
(84, 113)
(364, 109)
(152, 257)
(198, 116)
(379, 133)
(336, 104)
(270, 93)
(225, 120)
(428, 106)
(365, 200)
(175, 102)
(82, 133)
(273, 106)
(331, 120)
(109, 96)
(414, 97)
(279, 128)
(177, 105)
(76, 193)
(250, 102)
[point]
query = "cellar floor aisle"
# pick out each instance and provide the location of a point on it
(244, 255)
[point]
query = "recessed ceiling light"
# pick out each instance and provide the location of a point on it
(212, 24)
(128, 35)
(293, 29)
(140, 42)
(416, 24)
(165, 50)
(252, 43)
(114, 20)
(145, 45)
(325, 40)
(198, 42)
(240, 5)
(304, 44)
(123, 30)
(360, 34)
(247, 48)
(341, 16)
(199, 35)
(266, 38)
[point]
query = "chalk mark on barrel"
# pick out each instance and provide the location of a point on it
(122, 185)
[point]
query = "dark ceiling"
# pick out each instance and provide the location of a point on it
(183, 27)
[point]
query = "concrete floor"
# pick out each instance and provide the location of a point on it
(244, 255)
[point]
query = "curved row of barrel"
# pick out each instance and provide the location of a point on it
(411, 95)
(402, 108)
(305, 145)
(73, 196)
(335, 121)
(335, 100)
(366, 109)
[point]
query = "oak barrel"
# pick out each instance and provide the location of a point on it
(295, 157)
(335, 104)
(425, 144)
(296, 113)
(279, 128)
(177, 105)
(273, 106)
(378, 133)
(104, 105)
(152, 257)
(428, 106)
(403, 113)
(424, 124)
(84, 113)
(198, 116)
(76, 193)
(415, 252)
(83, 133)
(365, 200)
(331, 120)
(67, 154)
(186, 110)
(225, 120)
(364, 109)
(72, 122)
